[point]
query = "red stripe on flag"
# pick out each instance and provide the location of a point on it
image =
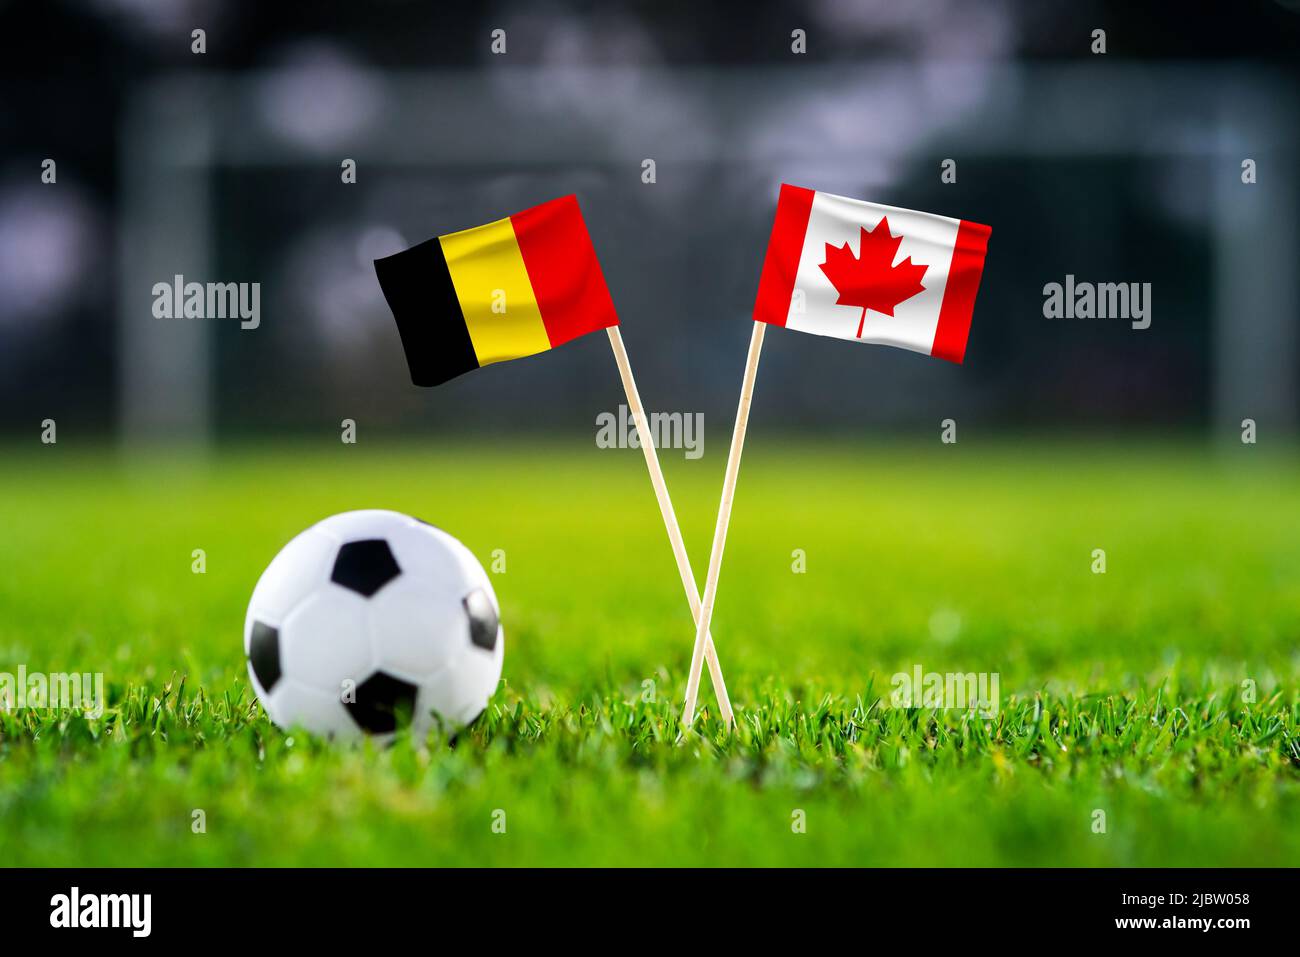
(563, 270)
(959, 295)
(776, 284)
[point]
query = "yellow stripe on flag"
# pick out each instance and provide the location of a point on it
(495, 295)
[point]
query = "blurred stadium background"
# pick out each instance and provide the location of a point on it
(226, 167)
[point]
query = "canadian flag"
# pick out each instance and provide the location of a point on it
(841, 267)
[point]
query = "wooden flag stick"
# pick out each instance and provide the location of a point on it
(670, 518)
(724, 518)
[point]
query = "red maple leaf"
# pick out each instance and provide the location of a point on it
(870, 280)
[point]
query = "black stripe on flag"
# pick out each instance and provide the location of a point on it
(419, 290)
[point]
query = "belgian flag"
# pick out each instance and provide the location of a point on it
(512, 288)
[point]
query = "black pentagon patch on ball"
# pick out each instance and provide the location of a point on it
(365, 566)
(482, 619)
(264, 654)
(381, 700)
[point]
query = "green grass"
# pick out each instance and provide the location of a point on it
(1128, 693)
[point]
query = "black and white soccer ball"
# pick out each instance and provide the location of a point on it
(369, 618)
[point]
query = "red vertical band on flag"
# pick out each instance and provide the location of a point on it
(776, 284)
(563, 270)
(959, 295)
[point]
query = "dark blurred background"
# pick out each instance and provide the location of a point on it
(225, 166)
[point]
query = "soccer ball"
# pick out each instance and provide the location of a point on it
(368, 617)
